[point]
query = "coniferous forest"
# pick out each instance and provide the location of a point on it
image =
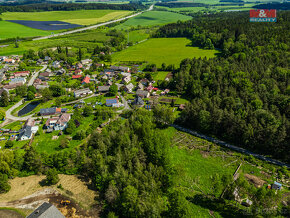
(242, 96)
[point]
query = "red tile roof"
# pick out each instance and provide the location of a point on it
(76, 76)
(86, 80)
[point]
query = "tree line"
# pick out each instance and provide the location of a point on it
(70, 7)
(241, 96)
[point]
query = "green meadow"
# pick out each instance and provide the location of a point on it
(162, 50)
(12, 30)
(153, 18)
(81, 17)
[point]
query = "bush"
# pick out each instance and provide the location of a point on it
(9, 144)
(52, 177)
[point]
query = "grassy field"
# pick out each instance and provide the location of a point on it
(153, 18)
(12, 30)
(197, 160)
(162, 50)
(81, 17)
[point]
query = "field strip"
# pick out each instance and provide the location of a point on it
(89, 21)
(92, 27)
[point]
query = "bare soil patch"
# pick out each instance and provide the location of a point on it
(255, 180)
(26, 193)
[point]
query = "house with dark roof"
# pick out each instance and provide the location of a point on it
(142, 93)
(138, 101)
(103, 89)
(27, 130)
(46, 210)
(52, 111)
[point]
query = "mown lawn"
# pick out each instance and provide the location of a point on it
(160, 75)
(162, 50)
(81, 17)
(12, 30)
(153, 18)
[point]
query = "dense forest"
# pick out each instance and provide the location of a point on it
(242, 96)
(70, 7)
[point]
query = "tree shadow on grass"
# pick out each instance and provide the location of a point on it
(223, 209)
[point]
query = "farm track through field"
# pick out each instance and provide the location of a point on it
(94, 26)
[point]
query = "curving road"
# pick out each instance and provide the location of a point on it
(9, 116)
(94, 26)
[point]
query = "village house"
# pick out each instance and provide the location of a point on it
(58, 123)
(12, 86)
(86, 80)
(56, 64)
(76, 76)
(9, 61)
(52, 111)
(129, 88)
(138, 101)
(19, 80)
(47, 58)
(276, 186)
(82, 92)
(126, 74)
(112, 102)
(140, 86)
(126, 79)
(120, 68)
(149, 88)
(21, 74)
(142, 93)
(41, 86)
(60, 72)
(78, 72)
(46, 74)
(46, 210)
(86, 61)
(103, 89)
(27, 130)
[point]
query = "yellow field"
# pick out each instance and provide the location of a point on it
(107, 17)
(25, 186)
(81, 17)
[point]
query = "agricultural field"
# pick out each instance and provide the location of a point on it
(81, 17)
(12, 30)
(162, 50)
(153, 18)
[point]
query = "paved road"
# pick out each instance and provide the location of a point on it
(93, 27)
(126, 105)
(35, 75)
(233, 147)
